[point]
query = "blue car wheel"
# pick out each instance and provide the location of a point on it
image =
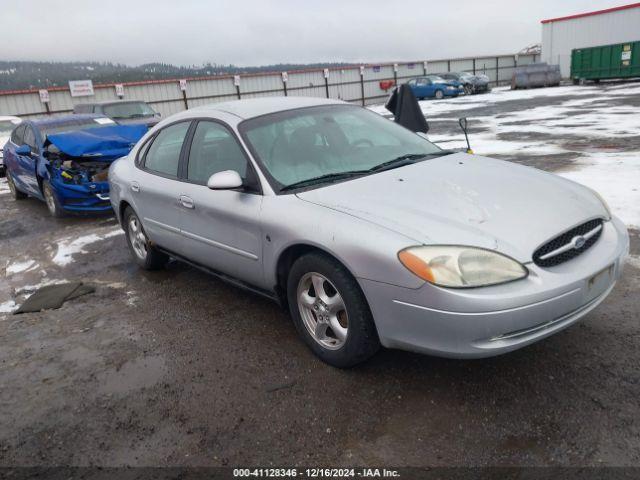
(439, 94)
(15, 193)
(55, 209)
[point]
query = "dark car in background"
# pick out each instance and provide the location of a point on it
(64, 161)
(434, 86)
(124, 112)
(470, 83)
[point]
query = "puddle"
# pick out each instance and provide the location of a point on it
(133, 375)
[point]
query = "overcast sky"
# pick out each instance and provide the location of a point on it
(258, 32)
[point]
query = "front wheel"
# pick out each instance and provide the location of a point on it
(439, 95)
(330, 312)
(146, 256)
(468, 89)
(55, 209)
(15, 193)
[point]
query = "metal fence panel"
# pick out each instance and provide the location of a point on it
(342, 83)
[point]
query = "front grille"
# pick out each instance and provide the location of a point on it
(544, 256)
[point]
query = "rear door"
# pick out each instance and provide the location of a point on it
(156, 189)
(10, 156)
(221, 228)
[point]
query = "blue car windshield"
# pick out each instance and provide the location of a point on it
(303, 144)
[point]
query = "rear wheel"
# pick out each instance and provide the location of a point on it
(146, 256)
(439, 94)
(15, 193)
(468, 89)
(55, 209)
(330, 311)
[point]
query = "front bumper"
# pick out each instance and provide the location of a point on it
(483, 322)
(85, 198)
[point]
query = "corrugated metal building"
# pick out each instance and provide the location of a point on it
(603, 27)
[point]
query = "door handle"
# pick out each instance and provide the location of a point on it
(187, 202)
(135, 187)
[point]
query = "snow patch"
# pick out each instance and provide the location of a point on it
(615, 176)
(7, 307)
(4, 186)
(69, 247)
(19, 267)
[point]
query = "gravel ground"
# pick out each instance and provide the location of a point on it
(177, 368)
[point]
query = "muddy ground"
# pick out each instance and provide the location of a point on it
(177, 368)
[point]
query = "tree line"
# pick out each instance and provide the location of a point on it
(27, 75)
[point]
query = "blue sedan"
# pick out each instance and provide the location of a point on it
(432, 86)
(64, 161)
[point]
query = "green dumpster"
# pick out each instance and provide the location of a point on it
(621, 60)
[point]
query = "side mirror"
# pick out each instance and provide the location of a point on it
(23, 150)
(225, 180)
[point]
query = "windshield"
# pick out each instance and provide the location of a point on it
(6, 127)
(299, 145)
(436, 79)
(128, 110)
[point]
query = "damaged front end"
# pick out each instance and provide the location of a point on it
(78, 163)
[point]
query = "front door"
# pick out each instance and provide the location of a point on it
(221, 228)
(26, 177)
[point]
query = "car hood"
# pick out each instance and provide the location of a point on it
(462, 199)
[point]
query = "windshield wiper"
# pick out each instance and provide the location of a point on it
(397, 162)
(323, 179)
(406, 159)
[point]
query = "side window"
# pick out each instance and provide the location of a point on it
(214, 150)
(424, 81)
(143, 151)
(163, 155)
(412, 81)
(17, 137)
(30, 139)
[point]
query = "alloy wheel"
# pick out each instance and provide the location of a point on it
(323, 310)
(137, 238)
(51, 202)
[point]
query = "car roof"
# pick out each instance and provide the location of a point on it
(255, 107)
(59, 120)
(10, 118)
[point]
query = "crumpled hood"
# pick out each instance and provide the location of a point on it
(465, 199)
(99, 143)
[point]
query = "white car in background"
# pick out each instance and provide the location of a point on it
(7, 124)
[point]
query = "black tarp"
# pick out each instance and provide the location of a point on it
(406, 110)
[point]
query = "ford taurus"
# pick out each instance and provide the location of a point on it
(366, 232)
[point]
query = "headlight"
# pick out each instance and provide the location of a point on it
(604, 203)
(461, 267)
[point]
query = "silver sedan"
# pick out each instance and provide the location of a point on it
(367, 233)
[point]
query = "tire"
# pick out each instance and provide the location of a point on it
(439, 95)
(15, 193)
(55, 209)
(145, 255)
(468, 89)
(346, 334)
